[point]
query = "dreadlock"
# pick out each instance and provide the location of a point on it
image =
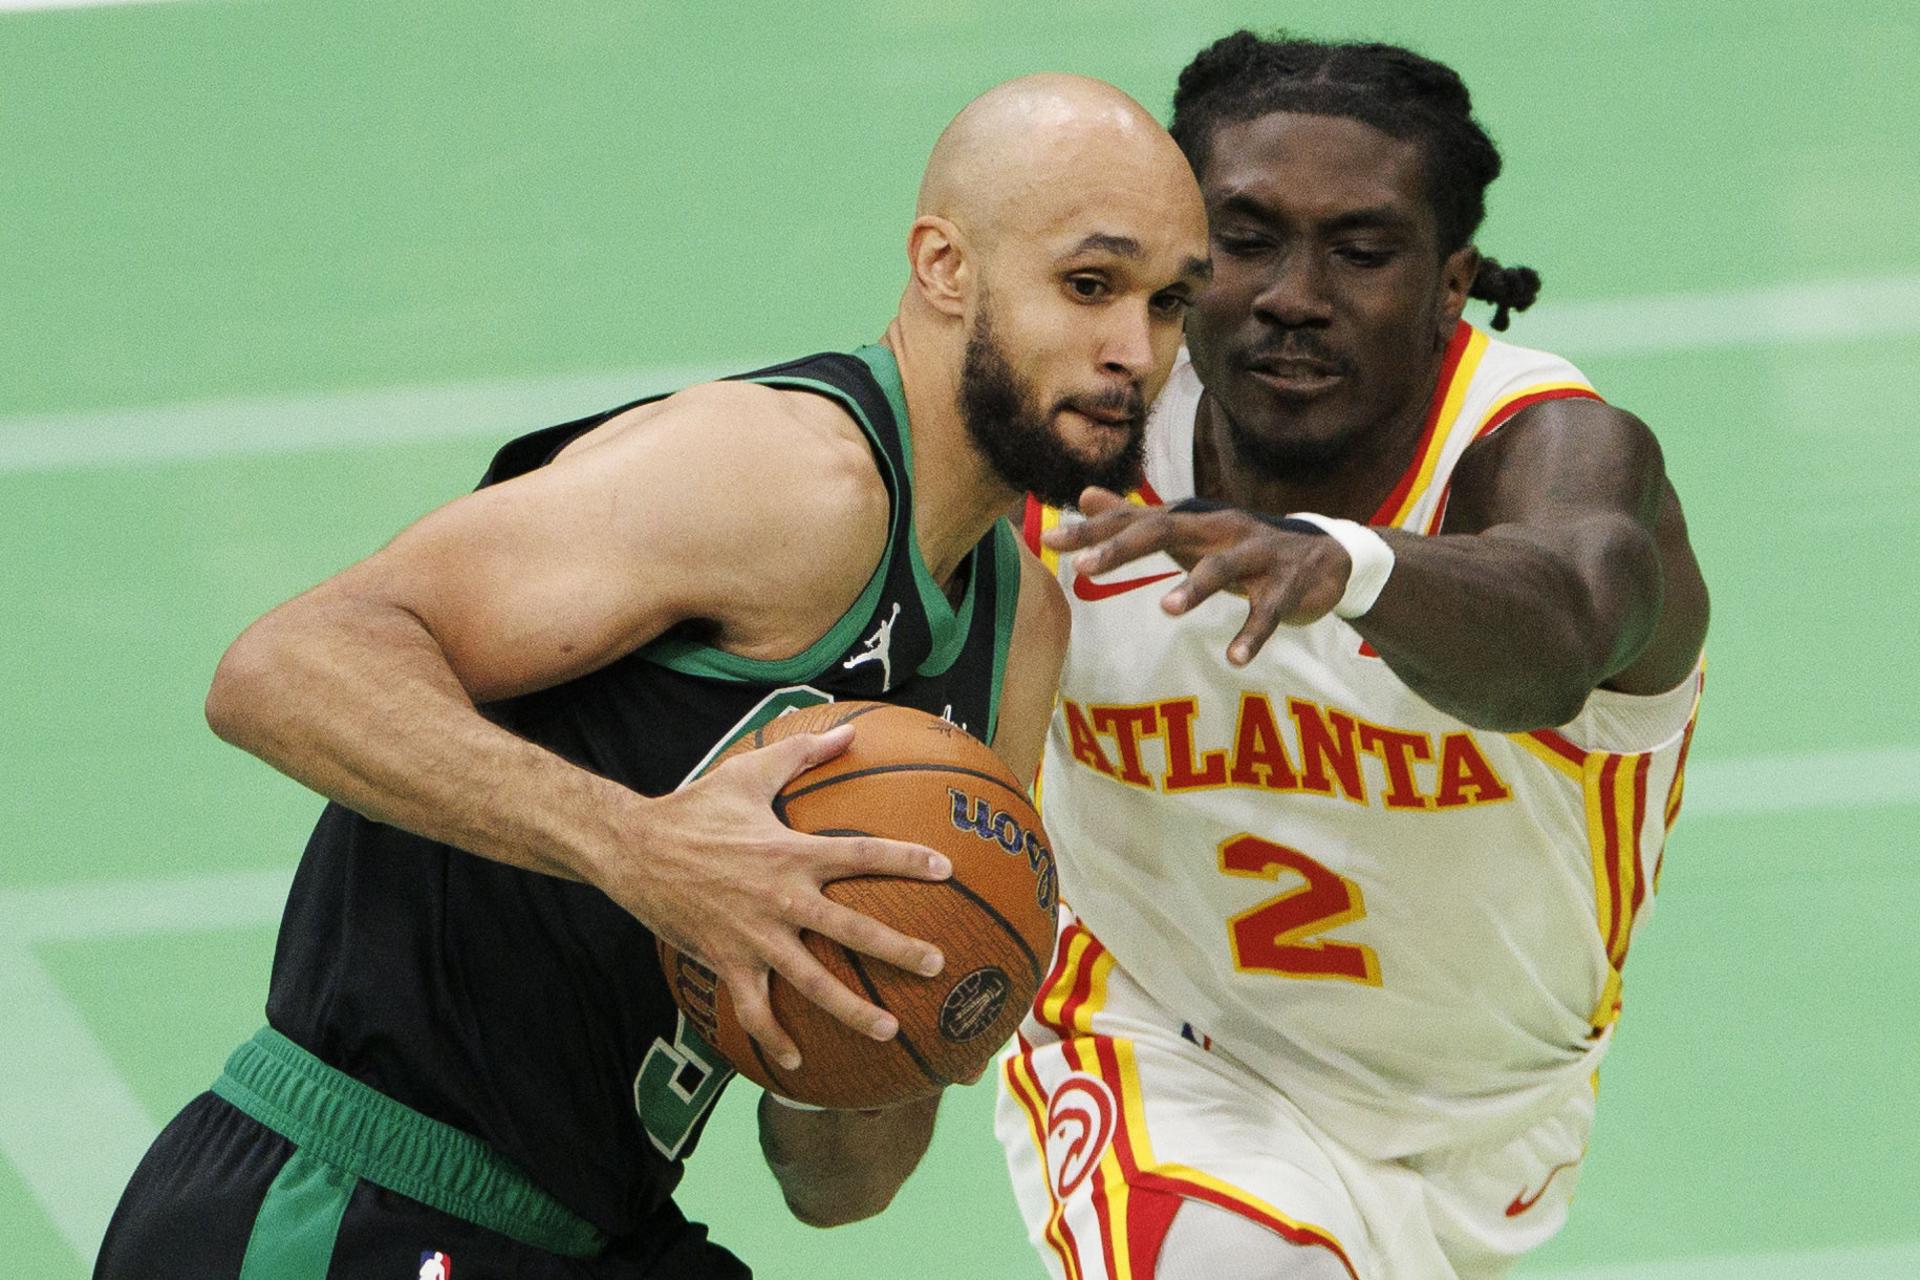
(1397, 91)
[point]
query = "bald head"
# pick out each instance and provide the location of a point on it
(1020, 151)
(1059, 239)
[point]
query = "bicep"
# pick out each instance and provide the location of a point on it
(1035, 653)
(1582, 485)
(1558, 463)
(558, 572)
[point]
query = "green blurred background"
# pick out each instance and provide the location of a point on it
(276, 276)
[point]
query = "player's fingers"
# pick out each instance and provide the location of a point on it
(1264, 611)
(791, 757)
(1095, 528)
(810, 978)
(1184, 538)
(753, 1009)
(868, 936)
(1314, 594)
(839, 856)
(1222, 571)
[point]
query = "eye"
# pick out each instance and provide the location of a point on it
(1171, 306)
(1087, 288)
(1363, 256)
(1237, 245)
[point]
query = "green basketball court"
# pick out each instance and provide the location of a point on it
(277, 275)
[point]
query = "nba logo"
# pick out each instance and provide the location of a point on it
(435, 1265)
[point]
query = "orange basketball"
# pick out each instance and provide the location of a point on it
(907, 776)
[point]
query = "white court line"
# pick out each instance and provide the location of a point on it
(1768, 316)
(65, 1096)
(22, 6)
(1856, 779)
(69, 1123)
(1817, 311)
(325, 420)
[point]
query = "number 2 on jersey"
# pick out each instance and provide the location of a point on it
(1280, 935)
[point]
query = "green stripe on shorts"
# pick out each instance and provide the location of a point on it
(348, 1125)
(294, 1231)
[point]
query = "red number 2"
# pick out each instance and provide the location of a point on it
(1279, 935)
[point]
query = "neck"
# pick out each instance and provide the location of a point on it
(956, 495)
(1350, 485)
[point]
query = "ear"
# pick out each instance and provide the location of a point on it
(1456, 285)
(942, 267)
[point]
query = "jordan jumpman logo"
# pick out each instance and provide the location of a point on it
(878, 649)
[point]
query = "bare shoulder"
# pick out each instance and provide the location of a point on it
(1559, 453)
(1574, 465)
(773, 494)
(739, 423)
(1035, 653)
(1043, 614)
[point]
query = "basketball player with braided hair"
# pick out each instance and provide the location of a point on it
(1369, 735)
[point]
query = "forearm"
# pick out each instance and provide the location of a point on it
(836, 1167)
(357, 702)
(1511, 629)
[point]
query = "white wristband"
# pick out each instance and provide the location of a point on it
(1372, 561)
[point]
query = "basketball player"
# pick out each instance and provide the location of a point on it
(473, 1062)
(1370, 729)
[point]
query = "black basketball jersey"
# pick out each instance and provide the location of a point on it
(531, 1011)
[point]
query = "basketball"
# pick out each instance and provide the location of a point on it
(907, 776)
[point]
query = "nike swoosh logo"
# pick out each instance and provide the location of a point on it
(1520, 1205)
(1087, 589)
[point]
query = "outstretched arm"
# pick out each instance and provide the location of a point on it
(836, 1167)
(1563, 566)
(364, 688)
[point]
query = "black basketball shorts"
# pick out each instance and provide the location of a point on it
(222, 1196)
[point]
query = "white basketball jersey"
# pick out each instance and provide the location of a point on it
(1413, 928)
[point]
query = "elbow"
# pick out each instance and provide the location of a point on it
(839, 1210)
(1538, 709)
(243, 690)
(1565, 661)
(227, 700)
(1569, 668)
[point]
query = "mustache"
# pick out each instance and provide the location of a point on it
(1126, 401)
(1303, 345)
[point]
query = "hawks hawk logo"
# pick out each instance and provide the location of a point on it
(1079, 1126)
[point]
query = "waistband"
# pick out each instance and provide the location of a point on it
(362, 1131)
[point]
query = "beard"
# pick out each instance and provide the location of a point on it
(1300, 461)
(1022, 441)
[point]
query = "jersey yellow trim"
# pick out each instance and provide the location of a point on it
(1538, 388)
(1444, 429)
(1560, 763)
(1023, 1086)
(1133, 1125)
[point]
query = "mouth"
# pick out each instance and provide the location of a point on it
(1121, 417)
(1118, 419)
(1296, 375)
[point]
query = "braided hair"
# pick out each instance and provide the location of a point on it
(1397, 91)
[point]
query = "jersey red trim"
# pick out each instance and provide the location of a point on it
(1449, 365)
(1494, 422)
(1030, 523)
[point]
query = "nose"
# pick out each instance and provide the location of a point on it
(1126, 347)
(1295, 295)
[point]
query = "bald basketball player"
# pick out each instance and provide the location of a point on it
(472, 1063)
